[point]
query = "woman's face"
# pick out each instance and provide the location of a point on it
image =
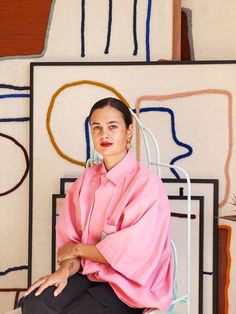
(109, 133)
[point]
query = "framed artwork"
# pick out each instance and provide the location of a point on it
(57, 205)
(175, 100)
(209, 189)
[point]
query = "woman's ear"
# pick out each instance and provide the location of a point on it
(130, 131)
(130, 134)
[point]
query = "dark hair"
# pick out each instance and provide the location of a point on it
(116, 104)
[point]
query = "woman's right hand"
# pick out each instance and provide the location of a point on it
(58, 279)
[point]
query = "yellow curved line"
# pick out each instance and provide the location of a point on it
(230, 124)
(50, 108)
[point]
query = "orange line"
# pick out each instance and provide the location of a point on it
(50, 108)
(196, 93)
(228, 266)
(176, 38)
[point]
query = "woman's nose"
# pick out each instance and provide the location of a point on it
(105, 132)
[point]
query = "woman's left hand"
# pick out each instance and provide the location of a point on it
(68, 251)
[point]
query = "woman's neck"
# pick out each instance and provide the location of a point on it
(111, 161)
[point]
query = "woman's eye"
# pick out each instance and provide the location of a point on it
(96, 127)
(113, 126)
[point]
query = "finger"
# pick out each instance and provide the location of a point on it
(35, 286)
(60, 288)
(43, 286)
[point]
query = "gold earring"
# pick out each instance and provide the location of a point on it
(128, 143)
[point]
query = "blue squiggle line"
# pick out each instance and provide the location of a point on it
(11, 269)
(149, 10)
(86, 126)
(82, 28)
(14, 87)
(148, 109)
(109, 28)
(15, 119)
(173, 130)
(14, 96)
(135, 52)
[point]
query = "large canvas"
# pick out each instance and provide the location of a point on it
(183, 104)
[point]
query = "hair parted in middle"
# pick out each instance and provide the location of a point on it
(116, 104)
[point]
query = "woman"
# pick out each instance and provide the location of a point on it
(113, 239)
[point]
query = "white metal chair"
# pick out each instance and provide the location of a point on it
(157, 163)
(95, 158)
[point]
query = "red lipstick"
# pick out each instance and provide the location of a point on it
(105, 144)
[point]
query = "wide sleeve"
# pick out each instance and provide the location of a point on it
(67, 228)
(143, 243)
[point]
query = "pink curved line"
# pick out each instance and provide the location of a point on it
(195, 93)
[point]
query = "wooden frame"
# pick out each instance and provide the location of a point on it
(176, 56)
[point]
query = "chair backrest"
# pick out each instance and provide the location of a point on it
(156, 162)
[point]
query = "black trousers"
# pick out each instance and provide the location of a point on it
(79, 296)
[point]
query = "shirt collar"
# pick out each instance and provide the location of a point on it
(120, 170)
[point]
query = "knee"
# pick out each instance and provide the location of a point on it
(41, 304)
(33, 304)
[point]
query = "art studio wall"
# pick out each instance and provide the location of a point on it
(197, 112)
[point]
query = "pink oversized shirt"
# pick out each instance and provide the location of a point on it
(125, 212)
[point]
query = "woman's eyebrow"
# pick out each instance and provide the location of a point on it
(109, 122)
(113, 122)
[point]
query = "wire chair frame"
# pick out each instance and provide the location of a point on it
(144, 130)
(95, 158)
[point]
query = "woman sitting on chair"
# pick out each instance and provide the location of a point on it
(113, 237)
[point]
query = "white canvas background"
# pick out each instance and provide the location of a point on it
(96, 21)
(213, 28)
(179, 232)
(196, 127)
(14, 206)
